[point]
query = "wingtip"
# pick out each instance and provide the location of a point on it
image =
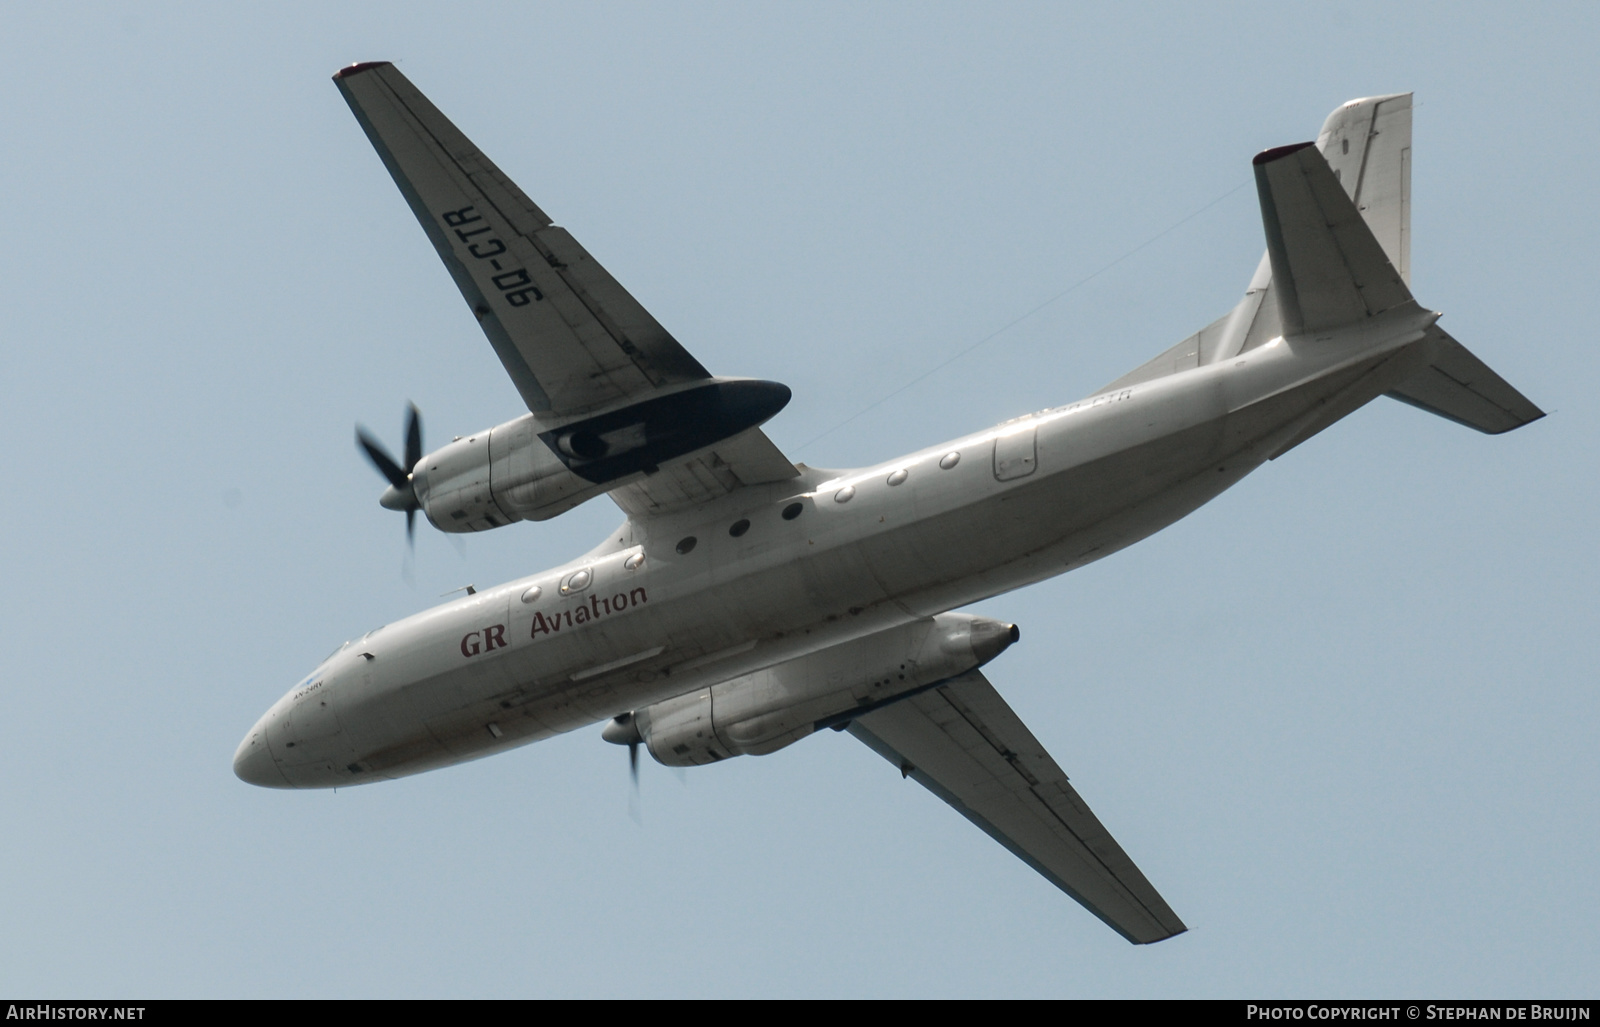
(1278, 153)
(1172, 933)
(356, 69)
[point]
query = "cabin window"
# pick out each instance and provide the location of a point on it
(899, 477)
(845, 494)
(792, 511)
(738, 527)
(686, 545)
(949, 460)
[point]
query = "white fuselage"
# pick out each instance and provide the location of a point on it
(682, 601)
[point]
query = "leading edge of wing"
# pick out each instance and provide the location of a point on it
(571, 338)
(964, 744)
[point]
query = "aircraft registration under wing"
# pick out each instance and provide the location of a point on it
(574, 341)
(965, 745)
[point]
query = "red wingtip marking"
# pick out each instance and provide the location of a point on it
(356, 69)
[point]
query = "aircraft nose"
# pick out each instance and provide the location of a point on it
(253, 762)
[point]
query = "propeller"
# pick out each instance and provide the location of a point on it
(400, 495)
(624, 730)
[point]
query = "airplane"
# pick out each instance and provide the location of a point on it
(747, 601)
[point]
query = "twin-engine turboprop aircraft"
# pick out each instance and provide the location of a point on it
(747, 601)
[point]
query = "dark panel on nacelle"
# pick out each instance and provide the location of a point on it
(515, 472)
(640, 438)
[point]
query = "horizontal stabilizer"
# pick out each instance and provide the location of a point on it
(1462, 388)
(1328, 269)
(965, 745)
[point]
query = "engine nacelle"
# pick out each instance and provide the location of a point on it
(523, 470)
(496, 477)
(762, 712)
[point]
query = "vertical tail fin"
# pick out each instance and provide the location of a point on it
(1367, 146)
(1367, 143)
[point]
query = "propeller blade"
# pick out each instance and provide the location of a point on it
(624, 730)
(413, 438)
(381, 459)
(401, 494)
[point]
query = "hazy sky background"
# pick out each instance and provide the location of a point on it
(1344, 717)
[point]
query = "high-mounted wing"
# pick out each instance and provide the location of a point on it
(573, 340)
(963, 743)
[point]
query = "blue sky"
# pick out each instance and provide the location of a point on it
(1344, 717)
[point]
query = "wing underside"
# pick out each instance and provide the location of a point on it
(748, 458)
(962, 742)
(572, 339)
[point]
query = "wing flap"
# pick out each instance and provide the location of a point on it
(748, 458)
(965, 744)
